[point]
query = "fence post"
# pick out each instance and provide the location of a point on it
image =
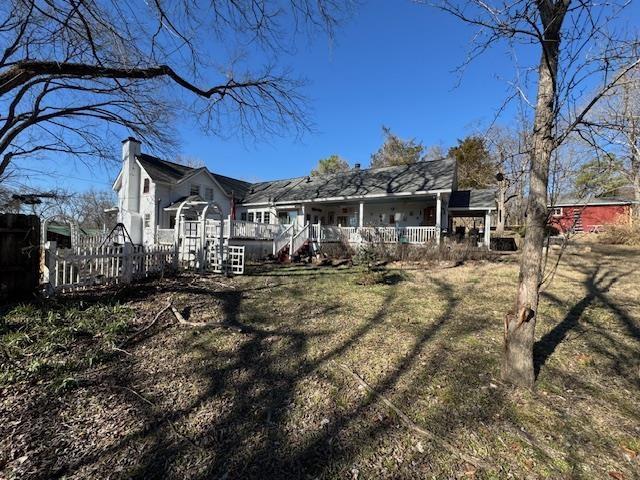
(127, 262)
(48, 263)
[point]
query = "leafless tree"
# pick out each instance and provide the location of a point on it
(579, 46)
(73, 70)
(510, 150)
(89, 208)
(613, 128)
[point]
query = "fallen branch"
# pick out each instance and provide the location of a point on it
(144, 329)
(476, 462)
(183, 321)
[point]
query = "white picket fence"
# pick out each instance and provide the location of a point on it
(90, 241)
(65, 270)
(72, 269)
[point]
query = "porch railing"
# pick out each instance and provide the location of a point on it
(164, 236)
(281, 234)
(414, 235)
(258, 231)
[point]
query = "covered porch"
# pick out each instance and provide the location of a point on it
(387, 219)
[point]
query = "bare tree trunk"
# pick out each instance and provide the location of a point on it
(635, 173)
(501, 207)
(520, 325)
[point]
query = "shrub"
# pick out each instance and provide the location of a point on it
(621, 234)
(337, 250)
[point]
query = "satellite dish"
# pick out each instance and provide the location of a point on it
(499, 176)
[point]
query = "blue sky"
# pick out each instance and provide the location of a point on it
(391, 64)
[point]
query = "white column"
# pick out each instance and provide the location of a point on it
(304, 216)
(487, 229)
(361, 215)
(438, 216)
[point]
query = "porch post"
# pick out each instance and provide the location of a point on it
(361, 215)
(487, 229)
(438, 216)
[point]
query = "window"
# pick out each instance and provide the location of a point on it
(195, 190)
(250, 217)
(208, 194)
(145, 186)
(243, 216)
(267, 217)
(392, 218)
(258, 217)
(556, 211)
(147, 220)
(172, 220)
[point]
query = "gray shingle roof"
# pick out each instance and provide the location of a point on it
(473, 199)
(417, 177)
(163, 171)
(568, 201)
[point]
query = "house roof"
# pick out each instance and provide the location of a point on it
(568, 201)
(473, 199)
(421, 177)
(161, 170)
(169, 172)
(415, 178)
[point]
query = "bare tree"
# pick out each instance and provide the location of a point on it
(90, 208)
(72, 69)
(613, 129)
(578, 47)
(510, 151)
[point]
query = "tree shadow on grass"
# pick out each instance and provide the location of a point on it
(243, 410)
(597, 284)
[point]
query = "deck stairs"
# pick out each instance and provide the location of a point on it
(295, 243)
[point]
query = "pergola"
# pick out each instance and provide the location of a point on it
(200, 208)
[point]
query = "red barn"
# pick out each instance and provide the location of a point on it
(592, 216)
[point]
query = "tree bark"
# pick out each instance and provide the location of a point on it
(502, 186)
(518, 367)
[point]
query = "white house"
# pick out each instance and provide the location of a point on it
(410, 197)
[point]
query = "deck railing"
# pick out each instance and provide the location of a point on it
(253, 230)
(321, 233)
(414, 235)
(165, 236)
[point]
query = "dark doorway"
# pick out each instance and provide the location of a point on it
(430, 216)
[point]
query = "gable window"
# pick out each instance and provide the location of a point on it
(147, 220)
(243, 216)
(145, 186)
(208, 194)
(258, 217)
(267, 217)
(250, 217)
(556, 211)
(195, 189)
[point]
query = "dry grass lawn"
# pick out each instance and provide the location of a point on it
(266, 396)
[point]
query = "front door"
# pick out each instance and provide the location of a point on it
(430, 216)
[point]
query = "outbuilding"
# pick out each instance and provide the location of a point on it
(588, 215)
